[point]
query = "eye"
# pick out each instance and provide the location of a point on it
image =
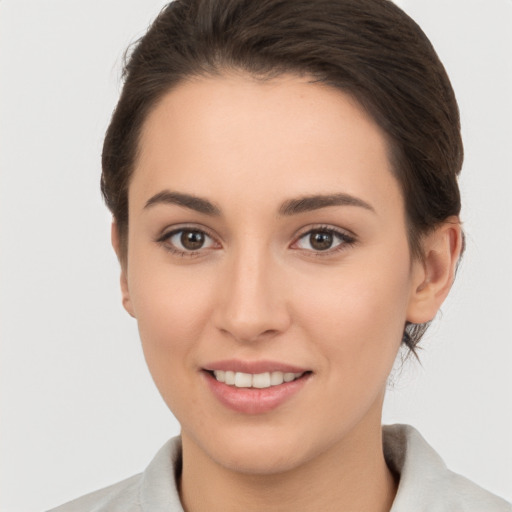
(324, 239)
(187, 241)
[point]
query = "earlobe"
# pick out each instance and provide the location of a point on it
(125, 292)
(433, 276)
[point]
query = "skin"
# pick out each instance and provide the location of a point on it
(258, 289)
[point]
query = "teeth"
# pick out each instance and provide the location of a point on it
(257, 380)
(220, 375)
(243, 380)
(261, 380)
(276, 378)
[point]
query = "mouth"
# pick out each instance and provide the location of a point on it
(248, 389)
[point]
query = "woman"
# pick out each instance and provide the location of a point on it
(283, 181)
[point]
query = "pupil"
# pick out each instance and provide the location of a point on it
(321, 240)
(192, 240)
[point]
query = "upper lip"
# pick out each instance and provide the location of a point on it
(255, 367)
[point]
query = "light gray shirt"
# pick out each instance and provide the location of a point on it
(425, 482)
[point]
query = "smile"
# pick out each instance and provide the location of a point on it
(248, 389)
(255, 380)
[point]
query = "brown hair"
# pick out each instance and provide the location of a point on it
(369, 49)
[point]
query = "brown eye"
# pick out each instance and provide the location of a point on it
(321, 240)
(192, 240)
(324, 240)
(187, 241)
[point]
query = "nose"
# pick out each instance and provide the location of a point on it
(251, 304)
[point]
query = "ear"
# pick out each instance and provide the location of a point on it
(125, 292)
(433, 276)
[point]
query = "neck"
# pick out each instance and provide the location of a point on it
(352, 476)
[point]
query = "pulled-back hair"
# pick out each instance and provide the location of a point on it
(369, 49)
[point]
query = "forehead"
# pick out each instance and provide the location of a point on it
(234, 134)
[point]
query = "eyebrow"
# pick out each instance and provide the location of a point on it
(288, 208)
(318, 201)
(188, 201)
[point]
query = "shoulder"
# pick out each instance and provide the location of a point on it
(425, 481)
(122, 496)
(154, 489)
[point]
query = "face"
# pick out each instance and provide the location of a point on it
(268, 268)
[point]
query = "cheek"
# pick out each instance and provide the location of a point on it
(172, 309)
(169, 303)
(358, 315)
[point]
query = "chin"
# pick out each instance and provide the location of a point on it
(259, 451)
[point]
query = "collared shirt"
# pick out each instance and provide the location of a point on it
(426, 485)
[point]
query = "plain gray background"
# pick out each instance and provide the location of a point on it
(79, 409)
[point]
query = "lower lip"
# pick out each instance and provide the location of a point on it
(253, 400)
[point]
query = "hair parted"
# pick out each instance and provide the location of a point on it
(369, 49)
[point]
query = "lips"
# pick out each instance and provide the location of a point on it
(254, 387)
(253, 367)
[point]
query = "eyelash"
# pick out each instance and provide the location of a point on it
(346, 240)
